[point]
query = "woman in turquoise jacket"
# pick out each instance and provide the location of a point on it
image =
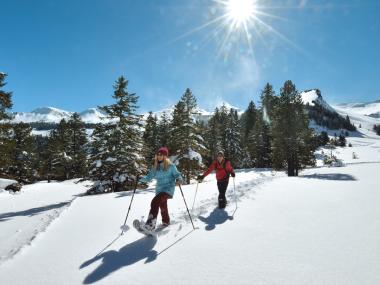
(167, 175)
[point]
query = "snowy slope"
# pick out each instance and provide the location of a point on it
(371, 109)
(24, 215)
(319, 228)
(358, 116)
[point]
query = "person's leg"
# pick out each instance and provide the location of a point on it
(152, 217)
(164, 209)
(222, 187)
(155, 205)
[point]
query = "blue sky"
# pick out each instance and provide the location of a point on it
(68, 54)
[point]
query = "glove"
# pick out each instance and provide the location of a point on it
(200, 178)
(233, 174)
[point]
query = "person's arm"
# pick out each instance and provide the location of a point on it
(148, 177)
(209, 170)
(176, 174)
(229, 169)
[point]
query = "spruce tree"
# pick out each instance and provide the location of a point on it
(292, 144)
(150, 138)
(247, 120)
(234, 144)
(212, 136)
(5, 126)
(77, 147)
(186, 143)
(268, 102)
(58, 162)
(163, 131)
(259, 144)
(117, 146)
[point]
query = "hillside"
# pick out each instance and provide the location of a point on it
(319, 228)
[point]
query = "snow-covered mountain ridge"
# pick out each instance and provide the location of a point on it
(94, 115)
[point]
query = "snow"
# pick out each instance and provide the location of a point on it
(93, 115)
(311, 96)
(25, 215)
(322, 227)
(362, 108)
(55, 115)
(5, 182)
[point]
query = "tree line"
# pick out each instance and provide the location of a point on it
(274, 134)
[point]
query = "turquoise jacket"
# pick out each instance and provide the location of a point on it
(166, 179)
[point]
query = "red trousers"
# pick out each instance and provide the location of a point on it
(159, 202)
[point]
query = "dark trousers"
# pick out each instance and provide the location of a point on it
(222, 188)
(159, 202)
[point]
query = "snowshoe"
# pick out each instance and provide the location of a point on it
(144, 228)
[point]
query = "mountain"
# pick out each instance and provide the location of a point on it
(370, 109)
(55, 115)
(322, 114)
(313, 97)
(92, 116)
(199, 113)
(43, 114)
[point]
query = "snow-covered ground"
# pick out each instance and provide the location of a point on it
(322, 227)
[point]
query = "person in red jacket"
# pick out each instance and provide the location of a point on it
(223, 170)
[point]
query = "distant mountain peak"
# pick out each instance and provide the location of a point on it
(313, 96)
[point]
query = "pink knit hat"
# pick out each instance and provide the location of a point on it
(164, 150)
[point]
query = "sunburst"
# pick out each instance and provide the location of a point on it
(237, 24)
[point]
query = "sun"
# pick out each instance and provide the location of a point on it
(240, 12)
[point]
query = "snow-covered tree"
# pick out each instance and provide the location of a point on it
(150, 138)
(186, 144)
(5, 127)
(117, 146)
(259, 145)
(77, 147)
(22, 153)
(163, 131)
(234, 149)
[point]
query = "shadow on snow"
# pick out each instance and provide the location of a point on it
(113, 260)
(330, 176)
(31, 212)
(216, 217)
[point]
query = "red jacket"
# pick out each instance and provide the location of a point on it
(222, 170)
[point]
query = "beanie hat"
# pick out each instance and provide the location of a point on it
(220, 152)
(163, 150)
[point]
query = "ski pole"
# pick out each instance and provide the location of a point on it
(130, 204)
(235, 193)
(180, 188)
(196, 191)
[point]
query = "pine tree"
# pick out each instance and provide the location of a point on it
(77, 147)
(150, 138)
(234, 144)
(58, 162)
(211, 135)
(268, 102)
(186, 143)
(292, 144)
(23, 154)
(116, 156)
(163, 131)
(5, 127)
(259, 144)
(247, 120)
(5, 99)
